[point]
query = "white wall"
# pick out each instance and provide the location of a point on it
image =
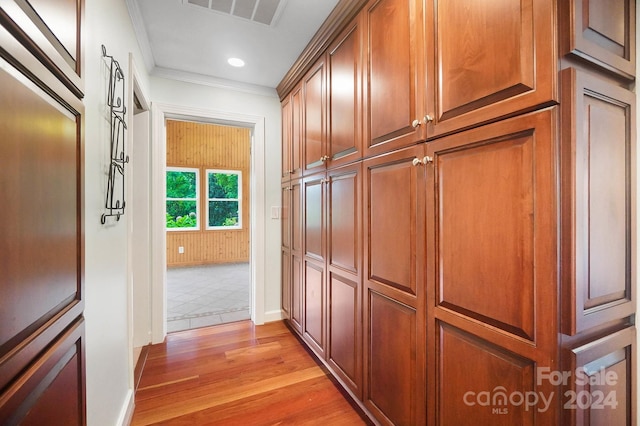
(182, 94)
(106, 312)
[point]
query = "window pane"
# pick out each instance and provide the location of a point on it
(223, 213)
(181, 184)
(222, 185)
(181, 214)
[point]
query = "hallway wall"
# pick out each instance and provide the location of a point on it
(109, 385)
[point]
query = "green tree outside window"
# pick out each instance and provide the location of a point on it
(224, 188)
(182, 198)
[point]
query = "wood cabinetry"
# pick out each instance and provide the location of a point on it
(494, 213)
(394, 287)
(42, 262)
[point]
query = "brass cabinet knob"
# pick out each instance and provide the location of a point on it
(428, 118)
(416, 123)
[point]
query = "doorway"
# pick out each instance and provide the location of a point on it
(207, 223)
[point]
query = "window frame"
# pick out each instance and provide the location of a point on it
(207, 200)
(196, 171)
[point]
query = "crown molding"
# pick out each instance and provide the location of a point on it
(341, 15)
(220, 83)
(141, 34)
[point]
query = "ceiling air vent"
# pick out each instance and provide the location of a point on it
(264, 12)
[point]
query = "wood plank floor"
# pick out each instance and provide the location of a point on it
(238, 374)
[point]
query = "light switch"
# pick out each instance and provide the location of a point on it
(275, 212)
(180, 250)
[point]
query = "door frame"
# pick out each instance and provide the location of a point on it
(160, 112)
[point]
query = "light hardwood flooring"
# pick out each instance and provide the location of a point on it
(238, 374)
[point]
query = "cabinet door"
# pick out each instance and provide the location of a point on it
(344, 67)
(598, 150)
(285, 252)
(394, 95)
(601, 387)
(344, 266)
(492, 267)
(42, 280)
(314, 262)
(394, 287)
(315, 108)
(487, 60)
(295, 219)
(602, 32)
(52, 31)
(287, 136)
(297, 131)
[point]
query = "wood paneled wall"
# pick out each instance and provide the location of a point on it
(209, 146)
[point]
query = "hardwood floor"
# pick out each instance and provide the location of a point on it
(238, 374)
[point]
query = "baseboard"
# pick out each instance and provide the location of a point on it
(271, 316)
(126, 415)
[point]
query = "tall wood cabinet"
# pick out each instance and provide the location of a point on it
(483, 274)
(42, 379)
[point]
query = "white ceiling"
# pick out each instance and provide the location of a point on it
(189, 41)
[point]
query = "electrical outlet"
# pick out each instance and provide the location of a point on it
(180, 250)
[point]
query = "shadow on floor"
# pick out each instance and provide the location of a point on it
(200, 296)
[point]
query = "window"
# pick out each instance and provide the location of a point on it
(224, 195)
(182, 199)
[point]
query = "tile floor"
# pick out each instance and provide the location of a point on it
(200, 296)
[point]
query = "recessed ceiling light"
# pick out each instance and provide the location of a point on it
(236, 62)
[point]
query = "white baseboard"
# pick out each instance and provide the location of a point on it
(126, 415)
(271, 316)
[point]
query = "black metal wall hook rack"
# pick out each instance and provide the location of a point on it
(115, 197)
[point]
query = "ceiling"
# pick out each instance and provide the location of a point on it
(193, 39)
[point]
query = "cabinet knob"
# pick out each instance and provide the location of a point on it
(324, 158)
(425, 160)
(428, 118)
(416, 123)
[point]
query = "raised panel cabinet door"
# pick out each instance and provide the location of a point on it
(314, 306)
(344, 72)
(602, 32)
(315, 114)
(41, 285)
(297, 292)
(344, 265)
(487, 60)
(285, 265)
(287, 136)
(477, 383)
(493, 202)
(51, 30)
(394, 94)
(600, 388)
(285, 215)
(295, 216)
(314, 217)
(394, 311)
(393, 373)
(51, 390)
(598, 150)
(297, 131)
(394, 224)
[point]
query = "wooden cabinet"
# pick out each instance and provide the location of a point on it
(601, 32)
(41, 166)
(486, 61)
(597, 164)
(394, 287)
(314, 109)
(492, 265)
(394, 99)
(495, 221)
(344, 274)
(602, 390)
(292, 127)
(344, 76)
